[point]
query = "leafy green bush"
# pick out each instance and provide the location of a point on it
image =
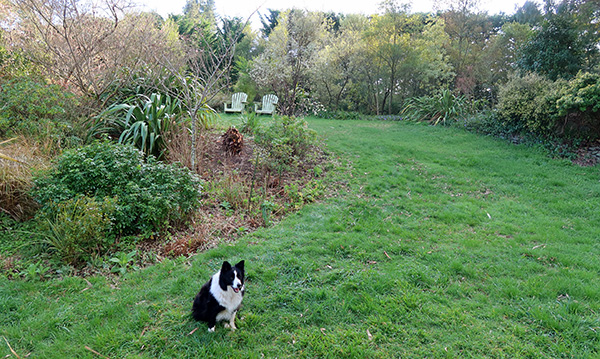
(580, 107)
(489, 123)
(339, 115)
(441, 108)
(528, 104)
(486, 123)
(149, 194)
(79, 228)
(552, 110)
(287, 141)
(15, 63)
(36, 109)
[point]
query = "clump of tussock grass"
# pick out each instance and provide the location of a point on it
(15, 176)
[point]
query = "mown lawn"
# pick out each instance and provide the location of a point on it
(437, 243)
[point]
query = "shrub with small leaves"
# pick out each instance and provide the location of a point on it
(528, 104)
(36, 109)
(579, 107)
(149, 194)
(78, 229)
(287, 141)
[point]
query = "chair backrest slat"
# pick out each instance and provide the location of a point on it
(268, 102)
(238, 99)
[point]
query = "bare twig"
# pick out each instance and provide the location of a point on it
(205, 75)
(95, 352)
(11, 349)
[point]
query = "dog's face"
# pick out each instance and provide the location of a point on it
(232, 276)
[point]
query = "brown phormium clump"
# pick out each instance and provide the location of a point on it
(233, 141)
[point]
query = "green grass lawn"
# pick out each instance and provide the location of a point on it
(437, 243)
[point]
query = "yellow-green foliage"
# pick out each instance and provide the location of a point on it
(580, 106)
(535, 104)
(528, 104)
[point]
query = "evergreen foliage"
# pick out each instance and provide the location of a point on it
(149, 194)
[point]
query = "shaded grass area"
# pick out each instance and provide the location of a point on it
(438, 244)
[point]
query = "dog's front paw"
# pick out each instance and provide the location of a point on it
(211, 330)
(230, 326)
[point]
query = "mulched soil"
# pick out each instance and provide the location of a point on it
(212, 224)
(588, 155)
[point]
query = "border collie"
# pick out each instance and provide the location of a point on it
(221, 297)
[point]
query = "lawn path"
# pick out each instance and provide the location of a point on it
(438, 244)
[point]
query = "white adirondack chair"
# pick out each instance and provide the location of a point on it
(238, 101)
(268, 105)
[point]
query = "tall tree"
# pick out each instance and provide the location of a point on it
(501, 54)
(389, 43)
(206, 72)
(433, 69)
(529, 13)
(289, 55)
(339, 64)
(198, 10)
(566, 42)
(269, 22)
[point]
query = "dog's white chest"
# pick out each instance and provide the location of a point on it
(226, 298)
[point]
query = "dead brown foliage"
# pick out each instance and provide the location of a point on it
(15, 177)
(233, 141)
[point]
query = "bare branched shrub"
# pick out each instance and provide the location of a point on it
(89, 45)
(179, 142)
(208, 62)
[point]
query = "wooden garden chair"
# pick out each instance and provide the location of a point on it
(238, 101)
(268, 105)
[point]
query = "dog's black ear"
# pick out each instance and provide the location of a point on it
(226, 267)
(240, 265)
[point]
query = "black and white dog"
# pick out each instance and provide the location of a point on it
(220, 298)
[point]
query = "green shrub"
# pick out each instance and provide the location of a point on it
(339, 115)
(38, 110)
(149, 194)
(244, 83)
(15, 63)
(287, 141)
(579, 107)
(528, 104)
(78, 229)
(486, 123)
